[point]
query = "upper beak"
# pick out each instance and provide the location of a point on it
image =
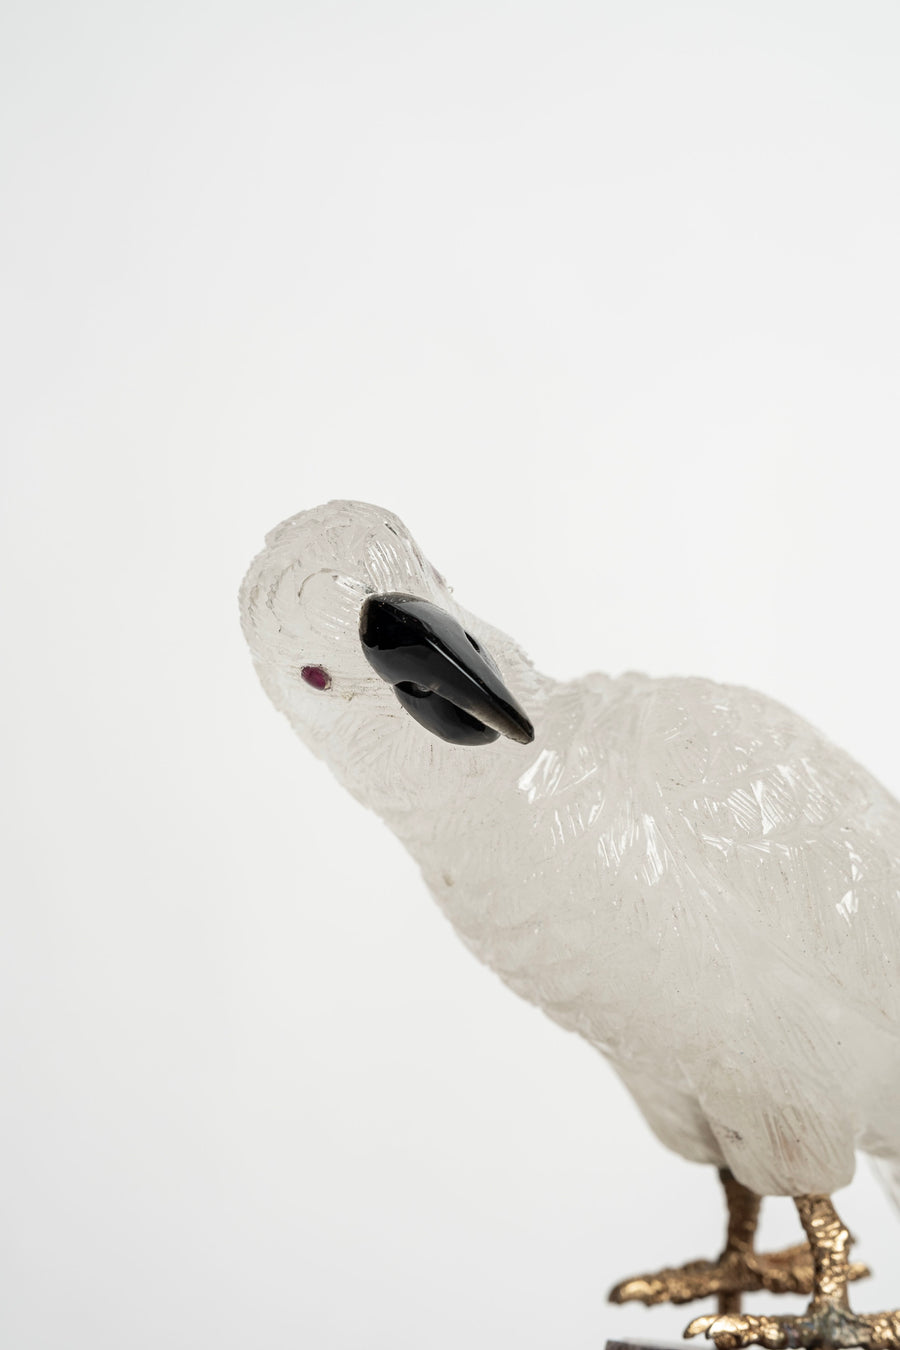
(439, 673)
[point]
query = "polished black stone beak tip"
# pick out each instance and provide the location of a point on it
(440, 674)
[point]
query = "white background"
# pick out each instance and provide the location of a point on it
(604, 300)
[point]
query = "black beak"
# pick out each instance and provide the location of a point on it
(440, 674)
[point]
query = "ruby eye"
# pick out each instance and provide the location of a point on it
(316, 677)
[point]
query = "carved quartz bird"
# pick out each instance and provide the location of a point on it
(685, 873)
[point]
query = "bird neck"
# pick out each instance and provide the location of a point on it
(447, 789)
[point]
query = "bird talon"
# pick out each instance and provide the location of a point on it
(700, 1325)
(678, 1284)
(730, 1331)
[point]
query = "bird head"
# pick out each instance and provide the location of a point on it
(358, 640)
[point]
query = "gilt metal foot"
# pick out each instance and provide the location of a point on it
(739, 1270)
(785, 1272)
(829, 1322)
(820, 1328)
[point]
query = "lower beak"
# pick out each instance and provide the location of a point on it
(440, 674)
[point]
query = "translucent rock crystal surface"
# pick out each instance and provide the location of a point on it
(687, 874)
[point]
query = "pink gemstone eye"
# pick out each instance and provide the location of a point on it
(316, 677)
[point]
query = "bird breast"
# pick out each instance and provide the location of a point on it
(663, 839)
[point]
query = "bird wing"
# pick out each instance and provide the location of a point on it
(767, 862)
(787, 842)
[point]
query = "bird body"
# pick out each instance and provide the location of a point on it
(689, 876)
(685, 873)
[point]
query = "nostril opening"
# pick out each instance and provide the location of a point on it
(416, 690)
(473, 642)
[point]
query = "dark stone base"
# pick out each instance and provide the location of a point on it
(634, 1344)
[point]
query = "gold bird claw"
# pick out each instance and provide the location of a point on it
(785, 1272)
(820, 1328)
